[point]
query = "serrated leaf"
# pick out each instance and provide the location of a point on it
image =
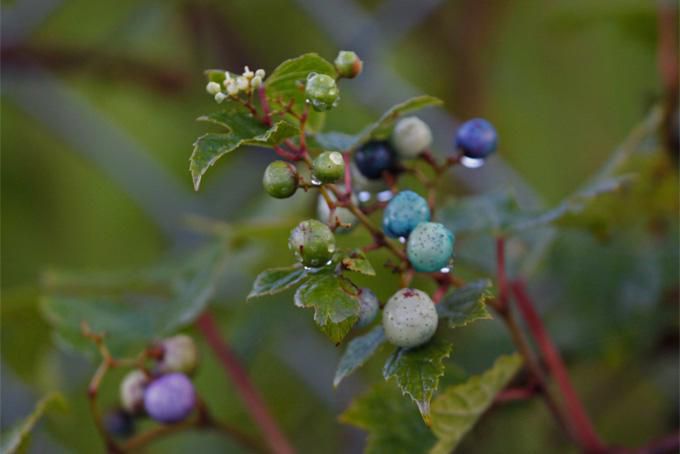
(16, 440)
(392, 422)
(333, 140)
(358, 351)
(456, 410)
(417, 371)
(335, 303)
(210, 147)
(466, 304)
(276, 280)
(358, 262)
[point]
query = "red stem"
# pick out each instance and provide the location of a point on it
(251, 398)
(262, 94)
(514, 394)
(576, 412)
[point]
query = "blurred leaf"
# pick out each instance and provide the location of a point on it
(487, 212)
(358, 262)
(218, 75)
(456, 410)
(335, 302)
(334, 140)
(466, 304)
(358, 351)
(276, 280)
(17, 439)
(210, 147)
(417, 371)
(393, 424)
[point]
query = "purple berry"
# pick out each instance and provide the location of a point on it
(170, 398)
(477, 138)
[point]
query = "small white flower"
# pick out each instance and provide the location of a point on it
(256, 82)
(247, 73)
(242, 83)
(260, 73)
(219, 97)
(212, 88)
(232, 89)
(227, 78)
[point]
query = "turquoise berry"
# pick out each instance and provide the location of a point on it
(368, 307)
(430, 247)
(312, 242)
(328, 167)
(409, 318)
(321, 92)
(404, 212)
(348, 64)
(280, 180)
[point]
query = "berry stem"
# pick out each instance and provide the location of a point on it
(267, 112)
(254, 403)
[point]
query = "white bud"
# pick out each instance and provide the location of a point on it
(247, 73)
(212, 88)
(242, 83)
(260, 73)
(411, 136)
(227, 79)
(219, 97)
(232, 89)
(256, 82)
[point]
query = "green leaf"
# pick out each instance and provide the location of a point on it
(417, 371)
(210, 147)
(218, 75)
(335, 302)
(288, 79)
(358, 262)
(393, 424)
(466, 304)
(456, 410)
(277, 280)
(358, 351)
(333, 140)
(16, 440)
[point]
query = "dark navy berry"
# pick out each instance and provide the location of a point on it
(170, 398)
(119, 423)
(374, 158)
(477, 138)
(404, 212)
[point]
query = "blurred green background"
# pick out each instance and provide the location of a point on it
(98, 108)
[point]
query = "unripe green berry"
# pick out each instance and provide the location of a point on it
(348, 64)
(280, 179)
(312, 242)
(132, 391)
(411, 136)
(321, 92)
(179, 355)
(409, 318)
(368, 307)
(328, 167)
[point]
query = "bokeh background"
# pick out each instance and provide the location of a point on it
(98, 108)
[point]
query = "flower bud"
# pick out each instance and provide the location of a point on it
(212, 88)
(348, 64)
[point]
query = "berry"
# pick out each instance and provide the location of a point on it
(321, 92)
(374, 158)
(280, 180)
(132, 391)
(430, 247)
(409, 318)
(404, 212)
(342, 214)
(348, 64)
(411, 136)
(328, 167)
(477, 138)
(312, 242)
(368, 307)
(119, 423)
(170, 398)
(179, 355)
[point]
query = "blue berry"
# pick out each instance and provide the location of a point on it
(430, 247)
(170, 398)
(404, 212)
(368, 307)
(374, 158)
(119, 423)
(409, 318)
(477, 138)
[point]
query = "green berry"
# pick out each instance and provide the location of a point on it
(179, 355)
(280, 180)
(409, 318)
(348, 64)
(321, 92)
(329, 167)
(312, 242)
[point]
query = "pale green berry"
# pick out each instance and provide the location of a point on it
(409, 318)
(410, 137)
(312, 242)
(280, 179)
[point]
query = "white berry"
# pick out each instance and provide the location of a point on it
(411, 136)
(179, 355)
(132, 391)
(409, 318)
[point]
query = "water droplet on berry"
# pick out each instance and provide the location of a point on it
(315, 181)
(384, 196)
(402, 240)
(364, 196)
(445, 270)
(471, 163)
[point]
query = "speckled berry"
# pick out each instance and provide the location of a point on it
(119, 423)
(179, 355)
(328, 167)
(312, 242)
(476, 138)
(280, 179)
(410, 137)
(409, 318)
(346, 217)
(368, 307)
(170, 398)
(430, 247)
(374, 158)
(132, 391)
(404, 212)
(348, 64)
(321, 92)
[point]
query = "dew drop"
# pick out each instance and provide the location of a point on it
(315, 181)
(445, 270)
(471, 163)
(402, 239)
(364, 196)
(384, 196)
